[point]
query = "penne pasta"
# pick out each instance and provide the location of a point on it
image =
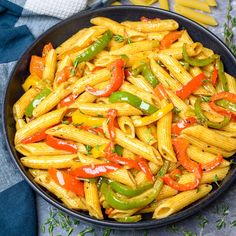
(196, 4)
(126, 125)
(50, 66)
(145, 135)
(164, 4)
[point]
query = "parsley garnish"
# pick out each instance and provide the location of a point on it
(119, 38)
(85, 231)
(129, 41)
(216, 179)
(106, 232)
(88, 149)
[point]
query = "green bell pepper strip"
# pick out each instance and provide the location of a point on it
(128, 191)
(147, 73)
(118, 149)
(203, 119)
(94, 49)
(139, 201)
(129, 219)
(164, 168)
(197, 62)
(133, 100)
(149, 76)
(221, 75)
(42, 95)
(226, 104)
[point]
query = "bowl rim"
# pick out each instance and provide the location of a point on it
(146, 224)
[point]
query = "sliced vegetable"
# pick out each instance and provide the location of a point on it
(94, 170)
(46, 49)
(41, 96)
(133, 100)
(226, 104)
(221, 75)
(129, 219)
(161, 92)
(149, 76)
(61, 144)
(191, 86)
(197, 62)
(67, 101)
(169, 39)
(94, 49)
(213, 164)
(31, 81)
(214, 76)
(203, 119)
(117, 79)
(37, 65)
(67, 181)
(63, 75)
(35, 137)
(182, 124)
(96, 130)
(128, 191)
(111, 114)
(143, 164)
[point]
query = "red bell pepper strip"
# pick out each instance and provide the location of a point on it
(175, 173)
(94, 170)
(39, 136)
(46, 49)
(145, 19)
(37, 65)
(111, 114)
(169, 39)
(68, 100)
(61, 144)
(97, 68)
(182, 124)
(117, 78)
(127, 73)
(227, 96)
(181, 146)
(145, 168)
(67, 181)
(214, 76)
(191, 86)
(92, 129)
(63, 75)
(213, 164)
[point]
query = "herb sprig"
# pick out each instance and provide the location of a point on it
(228, 28)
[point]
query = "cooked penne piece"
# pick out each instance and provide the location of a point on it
(196, 4)
(121, 175)
(164, 4)
(176, 203)
(115, 213)
(231, 81)
(185, 38)
(153, 26)
(140, 82)
(126, 125)
(43, 122)
(211, 3)
(37, 172)
(206, 147)
(46, 162)
(227, 134)
(127, 153)
(50, 66)
(20, 106)
(145, 135)
(70, 199)
(208, 177)
(194, 15)
(166, 192)
(20, 123)
(92, 200)
(94, 109)
(209, 136)
(164, 138)
(136, 47)
(52, 99)
(157, 35)
(93, 79)
(38, 149)
(200, 156)
(231, 127)
(77, 135)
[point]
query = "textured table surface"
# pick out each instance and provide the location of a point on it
(209, 217)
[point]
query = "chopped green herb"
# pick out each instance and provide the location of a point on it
(173, 228)
(85, 231)
(118, 149)
(129, 41)
(106, 232)
(216, 179)
(233, 223)
(189, 233)
(205, 98)
(145, 233)
(88, 149)
(124, 57)
(220, 224)
(78, 124)
(97, 147)
(176, 110)
(119, 38)
(99, 115)
(65, 122)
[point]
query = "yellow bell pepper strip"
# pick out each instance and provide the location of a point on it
(169, 39)
(98, 151)
(42, 95)
(121, 203)
(203, 119)
(191, 86)
(81, 119)
(129, 219)
(221, 75)
(94, 49)
(128, 191)
(117, 79)
(228, 97)
(133, 100)
(31, 81)
(197, 62)
(146, 120)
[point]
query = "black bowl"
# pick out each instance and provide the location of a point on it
(57, 35)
